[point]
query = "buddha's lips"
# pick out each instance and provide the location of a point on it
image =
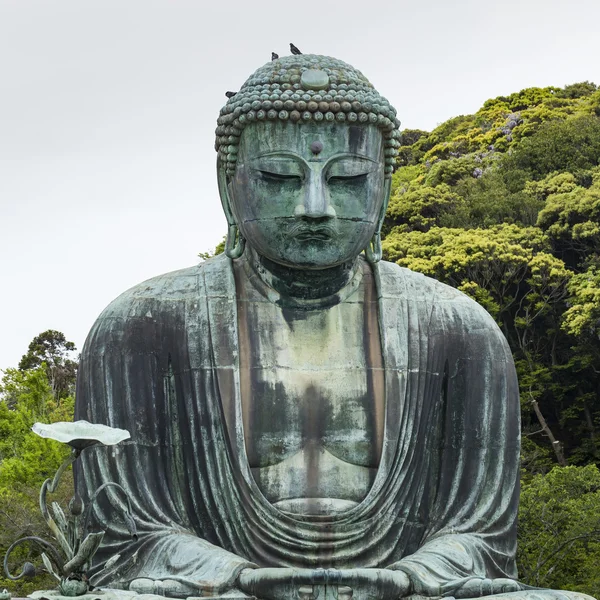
(305, 232)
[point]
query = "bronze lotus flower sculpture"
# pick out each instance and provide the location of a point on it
(69, 563)
(81, 434)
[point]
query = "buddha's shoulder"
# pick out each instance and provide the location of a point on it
(439, 300)
(166, 291)
(402, 282)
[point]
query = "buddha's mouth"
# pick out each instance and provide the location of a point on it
(305, 237)
(306, 233)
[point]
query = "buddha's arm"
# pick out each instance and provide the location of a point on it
(124, 382)
(182, 565)
(454, 564)
(471, 535)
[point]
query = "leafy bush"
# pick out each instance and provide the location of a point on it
(559, 530)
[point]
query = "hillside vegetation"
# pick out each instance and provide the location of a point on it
(505, 206)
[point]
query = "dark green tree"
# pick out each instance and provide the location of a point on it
(52, 349)
(559, 530)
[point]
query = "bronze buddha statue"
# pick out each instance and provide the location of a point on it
(306, 419)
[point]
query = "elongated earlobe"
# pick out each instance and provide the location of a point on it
(235, 243)
(374, 251)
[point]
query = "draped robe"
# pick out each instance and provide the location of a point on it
(162, 361)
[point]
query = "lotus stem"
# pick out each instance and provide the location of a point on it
(128, 513)
(47, 546)
(50, 485)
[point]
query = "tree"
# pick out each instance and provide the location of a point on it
(52, 349)
(420, 208)
(219, 249)
(577, 90)
(570, 145)
(559, 530)
(29, 394)
(571, 216)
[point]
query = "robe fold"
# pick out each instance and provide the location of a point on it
(162, 361)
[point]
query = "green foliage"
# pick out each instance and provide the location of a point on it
(571, 145)
(219, 249)
(488, 159)
(409, 138)
(535, 460)
(52, 349)
(500, 124)
(582, 318)
(559, 530)
(571, 216)
(577, 90)
(495, 197)
(422, 207)
(27, 395)
(505, 206)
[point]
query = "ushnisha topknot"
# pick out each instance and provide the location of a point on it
(304, 88)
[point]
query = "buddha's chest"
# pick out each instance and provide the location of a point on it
(313, 422)
(316, 407)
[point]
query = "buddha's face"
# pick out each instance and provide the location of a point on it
(308, 195)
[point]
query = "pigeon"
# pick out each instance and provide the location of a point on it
(294, 50)
(230, 94)
(274, 56)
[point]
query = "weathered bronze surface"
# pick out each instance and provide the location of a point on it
(306, 422)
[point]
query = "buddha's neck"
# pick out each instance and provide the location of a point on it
(300, 285)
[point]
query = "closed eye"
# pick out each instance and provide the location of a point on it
(270, 176)
(347, 178)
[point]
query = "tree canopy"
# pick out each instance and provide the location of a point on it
(505, 205)
(41, 389)
(52, 349)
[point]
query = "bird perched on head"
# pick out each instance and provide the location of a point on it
(274, 56)
(230, 94)
(294, 50)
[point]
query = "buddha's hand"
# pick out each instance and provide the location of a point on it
(467, 587)
(373, 583)
(475, 587)
(285, 584)
(163, 587)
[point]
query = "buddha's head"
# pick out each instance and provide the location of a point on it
(305, 156)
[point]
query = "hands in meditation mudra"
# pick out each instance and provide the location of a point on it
(307, 420)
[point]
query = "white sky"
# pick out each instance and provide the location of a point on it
(108, 109)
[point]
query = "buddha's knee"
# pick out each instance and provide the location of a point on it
(538, 595)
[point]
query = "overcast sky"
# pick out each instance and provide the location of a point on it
(108, 110)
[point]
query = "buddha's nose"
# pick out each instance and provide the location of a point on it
(315, 202)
